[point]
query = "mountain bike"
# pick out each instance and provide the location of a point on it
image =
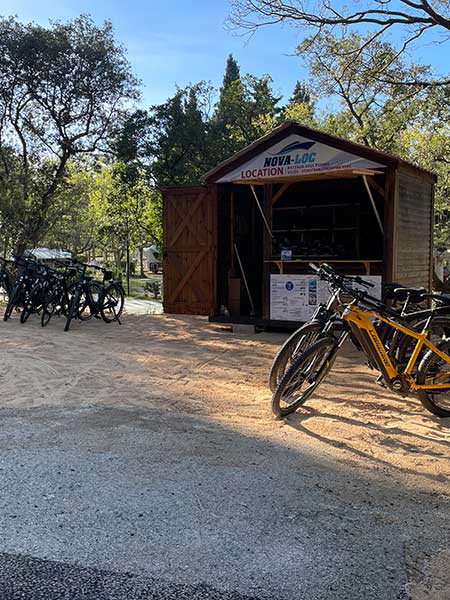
(94, 299)
(406, 301)
(430, 380)
(40, 291)
(6, 279)
(321, 321)
(21, 289)
(58, 301)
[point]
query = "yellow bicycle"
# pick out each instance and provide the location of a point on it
(360, 313)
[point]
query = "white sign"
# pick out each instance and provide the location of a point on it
(296, 155)
(295, 297)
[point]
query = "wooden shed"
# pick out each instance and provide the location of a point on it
(238, 247)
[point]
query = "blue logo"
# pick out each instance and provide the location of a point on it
(295, 146)
(297, 153)
(289, 286)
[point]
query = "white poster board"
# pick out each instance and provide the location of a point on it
(295, 297)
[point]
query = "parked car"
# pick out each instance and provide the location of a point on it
(153, 257)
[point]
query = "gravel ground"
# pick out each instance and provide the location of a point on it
(141, 461)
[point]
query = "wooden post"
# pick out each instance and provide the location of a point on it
(432, 217)
(267, 250)
(390, 218)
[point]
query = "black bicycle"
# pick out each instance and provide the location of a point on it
(6, 277)
(63, 289)
(92, 298)
(21, 290)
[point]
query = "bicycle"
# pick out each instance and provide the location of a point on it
(58, 301)
(21, 289)
(91, 299)
(360, 312)
(6, 277)
(405, 300)
(40, 291)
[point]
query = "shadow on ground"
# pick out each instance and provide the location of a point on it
(149, 449)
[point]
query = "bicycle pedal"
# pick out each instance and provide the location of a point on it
(380, 381)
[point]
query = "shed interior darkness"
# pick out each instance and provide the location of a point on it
(329, 219)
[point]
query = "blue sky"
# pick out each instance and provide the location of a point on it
(173, 42)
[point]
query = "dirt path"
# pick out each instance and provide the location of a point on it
(356, 445)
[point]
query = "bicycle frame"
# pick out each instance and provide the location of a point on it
(361, 323)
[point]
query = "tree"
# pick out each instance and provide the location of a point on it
(371, 111)
(126, 215)
(178, 138)
(417, 19)
(232, 73)
(72, 224)
(301, 94)
(61, 89)
(301, 106)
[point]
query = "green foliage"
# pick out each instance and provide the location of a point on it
(232, 73)
(61, 88)
(301, 94)
(178, 137)
(358, 72)
(81, 168)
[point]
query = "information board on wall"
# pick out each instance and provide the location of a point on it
(295, 297)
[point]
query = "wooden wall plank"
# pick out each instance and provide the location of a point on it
(414, 221)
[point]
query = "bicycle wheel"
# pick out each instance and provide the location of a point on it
(50, 307)
(14, 301)
(303, 376)
(24, 315)
(85, 310)
(439, 329)
(73, 310)
(113, 301)
(292, 347)
(433, 370)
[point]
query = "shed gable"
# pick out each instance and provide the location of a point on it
(296, 155)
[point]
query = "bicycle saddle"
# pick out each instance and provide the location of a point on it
(414, 293)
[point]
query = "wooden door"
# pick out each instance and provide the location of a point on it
(189, 262)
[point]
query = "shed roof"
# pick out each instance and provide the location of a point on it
(291, 128)
(48, 253)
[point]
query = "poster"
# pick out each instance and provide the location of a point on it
(295, 297)
(295, 155)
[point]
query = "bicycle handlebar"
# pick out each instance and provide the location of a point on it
(331, 272)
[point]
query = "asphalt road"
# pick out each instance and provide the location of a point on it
(141, 461)
(35, 579)
(115, 503)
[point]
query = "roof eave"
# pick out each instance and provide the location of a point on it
(266, 141)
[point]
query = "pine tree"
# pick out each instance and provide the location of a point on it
(232, 73)
(301, 94)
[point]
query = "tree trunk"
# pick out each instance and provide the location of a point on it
(141, 261)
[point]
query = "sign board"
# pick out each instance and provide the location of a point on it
(296, 155)
(295, 297)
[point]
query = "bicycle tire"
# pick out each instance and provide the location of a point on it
(24, 315)
(49, 308)
(73, 310)
(115, 293)
(12, 301)
(84, 309)
(432, 400)
(291, 348)
(319, 357)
